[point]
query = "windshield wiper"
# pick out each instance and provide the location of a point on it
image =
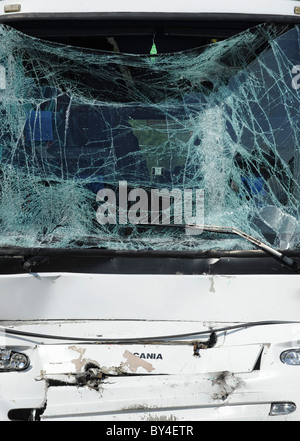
(290, 263)
(293, 264)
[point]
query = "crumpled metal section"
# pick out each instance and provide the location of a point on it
(223, 118)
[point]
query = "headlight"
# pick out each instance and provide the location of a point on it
(291, 357)
(278, 409)
(13, 361)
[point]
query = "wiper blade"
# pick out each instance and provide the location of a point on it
(290, 263)
(293, 264)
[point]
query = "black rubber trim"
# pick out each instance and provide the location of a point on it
(93, 261)
(160, 16)
(99, 252)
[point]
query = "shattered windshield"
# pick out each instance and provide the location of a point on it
(104, 149)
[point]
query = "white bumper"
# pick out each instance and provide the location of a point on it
(238, 378)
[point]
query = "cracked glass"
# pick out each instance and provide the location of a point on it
(223, 118)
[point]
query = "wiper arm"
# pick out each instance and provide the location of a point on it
(292, 264)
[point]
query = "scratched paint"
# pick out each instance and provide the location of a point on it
(134, 362)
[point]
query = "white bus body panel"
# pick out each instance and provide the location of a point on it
(150, 381)
(276, 7)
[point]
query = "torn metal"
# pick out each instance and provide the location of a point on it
(236, 377)
(144, 359)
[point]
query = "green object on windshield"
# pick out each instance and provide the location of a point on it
(153, 49)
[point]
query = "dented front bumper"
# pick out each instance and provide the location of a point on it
(108, 370)
(155, 382)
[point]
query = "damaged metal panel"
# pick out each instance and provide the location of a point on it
(154, 359)
(236, 378)
(215, 396)
(141, 394)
